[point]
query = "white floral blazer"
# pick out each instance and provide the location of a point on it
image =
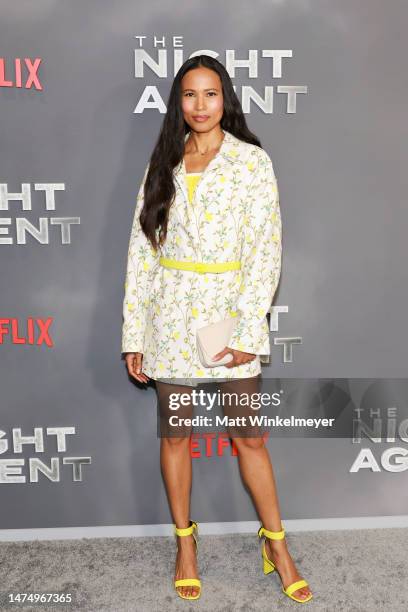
(234, 215)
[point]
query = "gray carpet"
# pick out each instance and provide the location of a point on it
(349, 571)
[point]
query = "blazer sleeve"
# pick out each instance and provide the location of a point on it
(261, 256)
(142, 261)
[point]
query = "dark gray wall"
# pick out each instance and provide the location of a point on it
(340, 160)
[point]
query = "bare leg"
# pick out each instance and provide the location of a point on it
(175, 461)
(257, 473)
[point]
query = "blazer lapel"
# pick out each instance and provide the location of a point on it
(228, 153)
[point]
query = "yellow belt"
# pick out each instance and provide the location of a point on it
(200, 267)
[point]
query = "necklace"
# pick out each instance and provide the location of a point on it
(217, 149)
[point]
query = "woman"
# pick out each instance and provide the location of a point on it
(208, 195)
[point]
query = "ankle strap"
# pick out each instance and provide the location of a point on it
(273, 535)
(187, 530)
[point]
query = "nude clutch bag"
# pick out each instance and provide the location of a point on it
(213, 338)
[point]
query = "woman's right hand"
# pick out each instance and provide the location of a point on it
(134, 366)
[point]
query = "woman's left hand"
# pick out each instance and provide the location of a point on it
(238, 357)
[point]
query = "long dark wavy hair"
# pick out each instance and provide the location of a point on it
(159, 189)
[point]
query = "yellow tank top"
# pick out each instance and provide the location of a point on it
(192, 179)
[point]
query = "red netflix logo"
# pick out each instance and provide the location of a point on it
(28, 70)
(36, 331)
(214, 444)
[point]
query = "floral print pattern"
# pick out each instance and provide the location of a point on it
(234, 215)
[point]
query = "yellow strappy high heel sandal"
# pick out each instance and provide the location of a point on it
(188, 581)
(269, 566)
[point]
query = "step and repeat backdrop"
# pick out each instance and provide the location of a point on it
(83, 90)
